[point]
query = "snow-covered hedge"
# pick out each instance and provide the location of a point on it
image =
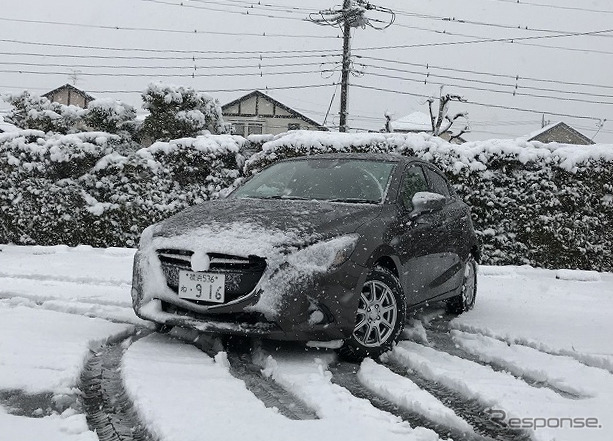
(544, 205)
(92, 188)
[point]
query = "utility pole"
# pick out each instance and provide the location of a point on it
(346, 68)
(352, 15)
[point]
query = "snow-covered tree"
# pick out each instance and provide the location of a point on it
(111, 116)
(34, 112)
(179, 112)
(441, 121)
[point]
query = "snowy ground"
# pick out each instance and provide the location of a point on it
(536, 350)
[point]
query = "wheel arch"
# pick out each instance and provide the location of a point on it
(385, 257)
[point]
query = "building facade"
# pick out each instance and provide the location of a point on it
(69, 96)
(257, 113)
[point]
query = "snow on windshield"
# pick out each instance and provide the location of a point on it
(321, 179)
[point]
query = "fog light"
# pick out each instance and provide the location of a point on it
(316, 317)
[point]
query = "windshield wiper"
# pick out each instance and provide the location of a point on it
(285, 197)
(353, 200)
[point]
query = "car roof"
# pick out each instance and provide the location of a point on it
(389, 157)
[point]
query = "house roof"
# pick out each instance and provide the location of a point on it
(415, 122)
(565, 128)
(277, 103)
(70, 87)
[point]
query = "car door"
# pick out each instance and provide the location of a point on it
(446, 248)
(418, 241)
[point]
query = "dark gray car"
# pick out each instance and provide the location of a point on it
(329, 249)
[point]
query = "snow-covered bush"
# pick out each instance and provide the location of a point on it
(38, 113)
(111, 116)
(85, 189)
(544, 205)
(178, 112)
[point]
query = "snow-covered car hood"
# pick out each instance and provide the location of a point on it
(298, 239)
(279, 223)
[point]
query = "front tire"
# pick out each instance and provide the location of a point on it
(379, 318)
(465, 301)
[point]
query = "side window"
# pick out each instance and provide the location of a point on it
(438, 184)
(414, 182)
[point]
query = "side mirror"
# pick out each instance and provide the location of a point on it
(426, 202)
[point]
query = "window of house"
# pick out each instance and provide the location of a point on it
(293, 126)
(255, 129)
(238, 129)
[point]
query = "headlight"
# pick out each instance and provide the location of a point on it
(325, 256)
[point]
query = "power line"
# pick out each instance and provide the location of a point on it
(485, 40)
(294, 87)
(457, 34)
(184, 67)
(513, 92)
(451, 19)
(168, 50)
(569, 8)
(158, 75)
(162, 30)
(208, 8)
(476, 103)
(425, 77)
(475, 72)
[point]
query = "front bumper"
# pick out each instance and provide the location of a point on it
(330, 297)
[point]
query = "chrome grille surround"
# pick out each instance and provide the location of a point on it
(242, 274)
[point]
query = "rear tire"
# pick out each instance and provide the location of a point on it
(465, 301)
(379, 318)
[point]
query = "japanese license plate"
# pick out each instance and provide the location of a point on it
(208, 287)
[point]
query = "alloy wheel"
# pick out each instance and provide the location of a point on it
(377, 314)
(468, 290)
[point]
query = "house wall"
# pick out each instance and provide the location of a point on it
(69, 97)
(270, 126)
(257, 115)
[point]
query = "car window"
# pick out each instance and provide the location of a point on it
(414, 181)
(335, 180)
(438, 184)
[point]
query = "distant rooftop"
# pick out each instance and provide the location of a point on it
(415, 122)
(559, 132)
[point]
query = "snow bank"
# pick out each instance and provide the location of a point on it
(534, 309)
(512, 395)
(407, 395)
(581, 276)
(50, 346)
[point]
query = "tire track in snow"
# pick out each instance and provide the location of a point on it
(110, 411)
(265, 389)
(345, 375)
(439, 337)
(471, 410)
(602, 362)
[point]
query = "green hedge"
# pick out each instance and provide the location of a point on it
(86, 189)
(533, 204)
(543, 205)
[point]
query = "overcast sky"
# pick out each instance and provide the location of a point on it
(560, 61)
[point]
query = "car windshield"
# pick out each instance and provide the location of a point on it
(334, 180)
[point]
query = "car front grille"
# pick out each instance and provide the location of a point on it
(242, 273)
